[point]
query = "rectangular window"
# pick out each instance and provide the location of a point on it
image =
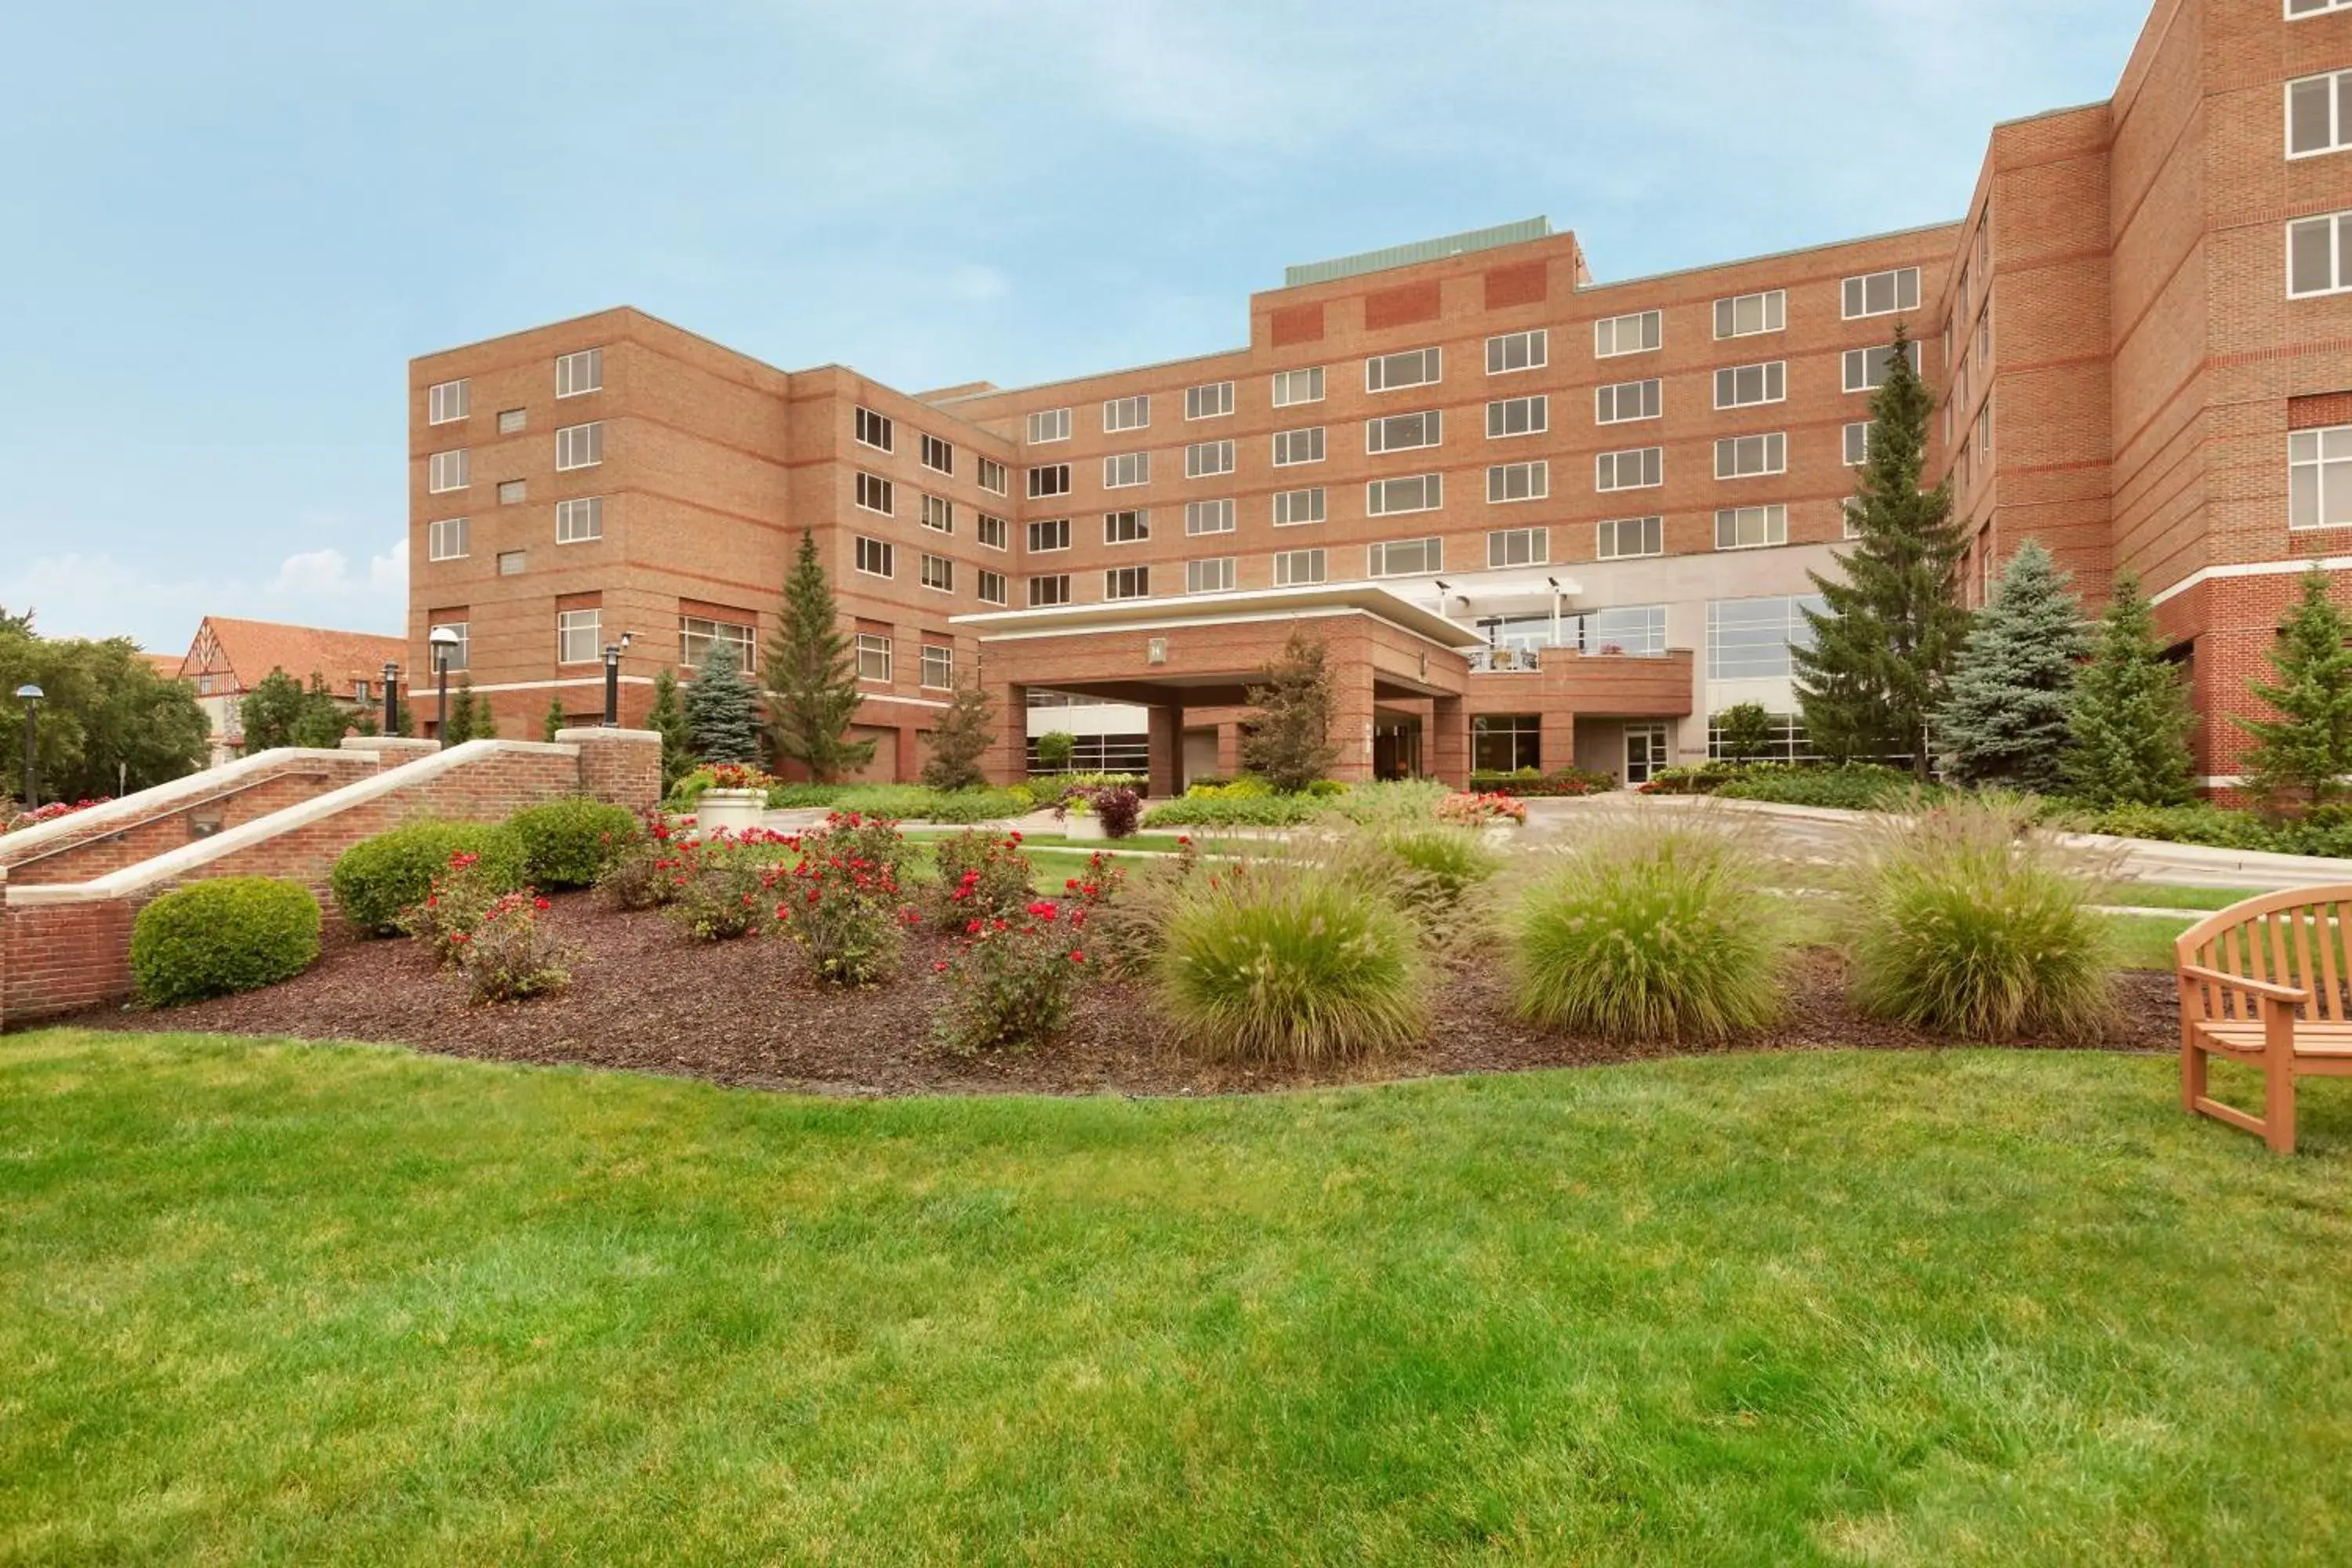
(873, 657)
(1209, 576)
(1297, 506)
(1637, 468)
(512, 563)
(511, 420)
(578, 522)
(992, 588)
(1204, 458)
(875, 557)
(1745, 315)
(579, 635)
(1518, 481)
(938, 666)
(992, 475)
(2298, 9)
(1505, 742)
(1404, 432)
(1865, 369)
(461, 653)
(1404, 558)
(696, 633)
(2319, 255)
(581, 372)
(1128, 582)
(1124, 469)
(1751, 527)
(1415, 492)
(1208, 517)
(874, 493)
(1625, 628)
(1882, 293)
(512, 492)
(1126, 413)
(939, 514)
(2319, 114)
(1750, 637)
(1744, 457)
(1213, 401)
(936, 573)
(1517, 351)
(936, 454)
(1623, 538)
(448, 539)
(1858, 443)
(1615, 405)
(1297, 386)
(1044, 591)
(1049, 425)
(1296, 568)
(447, 400)
(1633, 334)
(1298, 446)
(1741, 386)
(446, 471)
(1414, 367)
(1052, 479)
(993, 531)
(1518, 547)
(2319, 478)
(1053, 534)
(875, 430)
(580, 446)
(1126, 526)
(1984, 427)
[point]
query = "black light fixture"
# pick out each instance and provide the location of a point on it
(442, 640)
(390, 698)
(30, 696)
(613, 651)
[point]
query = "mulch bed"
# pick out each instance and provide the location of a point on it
(646, 998)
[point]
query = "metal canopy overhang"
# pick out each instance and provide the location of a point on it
(1317, 599)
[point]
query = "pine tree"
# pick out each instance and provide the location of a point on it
(459, 727)
(2305, 752)
(554, 720)
(960, 739)
(813, 678)
(722, 708)
(667, 718)
(323, 722)
(271, 712)
(1884, 647)
(2129, 736)
(2005, 713)
(1289, 741)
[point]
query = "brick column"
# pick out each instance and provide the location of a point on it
(909, 766)
(1007, 761)
(1166, 749)
(1449, 741)
(622, 767)
(1558, 741)
(1229, 749)
(1352, 713)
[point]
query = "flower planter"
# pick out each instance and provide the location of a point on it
(1083, 825)
(736, 810)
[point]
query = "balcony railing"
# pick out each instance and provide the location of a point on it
(1520, 661)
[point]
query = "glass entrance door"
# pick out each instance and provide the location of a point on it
(1645, 752)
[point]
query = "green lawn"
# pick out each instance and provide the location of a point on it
(2167, 896)
(286, 1303)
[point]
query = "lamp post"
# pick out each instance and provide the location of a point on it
(390, 698)
(30, 696)
(442, 640)
(613, 680)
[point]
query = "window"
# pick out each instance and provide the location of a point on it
(1745, 315)
(696, 633)
(1788, 742)
(1204, 458)
(992, 475)
(1213, 401)
(1297, 386)
(580, 446)
(1052, 480)
(992, 588)
(875, 430)
(939, 514)
(578, 522)
(1404, 432)
(1737, 386)
(1414, 367)
(446, 471)
(1404, 558)
(874, 493)
(1505, 742)
(448, 539)
(1049, 425)
(1984, 427)
(1208, 517)
(1126, 526)
(1298, 446)
(938, 666)
(1858, 443)
(511, 492)
(2298, 9)
(1518, 481)
(2319, 478)
(1744, 457)
(1052, 590)
(511, 420)
(993, 531)
(578, 634)
(1209, 576)
(1627, 628)
(873, 657)
(1632, 335)
(1882, 293)
(1051, 535)
(1517, 351)
(1296, 568)
(447, 400)
(1635, 468)
(1622, 538)
(512, 563)
(1984, 333)
(1517, 416)
(1518, 547)
(461, 652)
(1748, 527)
(2319, 255)
(1751, 638)
(935, 453)
(1866, 368)
(1612, 405)
(1124, 469)
(875, 557)
(1126, 413)
(1418, 492)
(1128, 582)
(579, 372)
(1297, 506)
(936, 573)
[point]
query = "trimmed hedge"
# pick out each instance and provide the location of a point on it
(1528, 783)
(377, 878)
(568, 843)
(1234, 811)
(230, 934)
(909, 802)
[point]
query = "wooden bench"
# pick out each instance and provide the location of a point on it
(2264, 982)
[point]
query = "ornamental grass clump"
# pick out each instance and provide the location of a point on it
(1013, 978)
(1650, 933)
(841, 901)
(1432, 871)
(1965, 920)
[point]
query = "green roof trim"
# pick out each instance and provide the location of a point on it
(1419, 250)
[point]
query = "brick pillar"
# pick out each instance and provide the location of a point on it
(1007, 761)
(909, 765)
(622, 767)
(1229, 747)
(1448, 741)
(1352, 713)
(1558, 741)
(1166, 749)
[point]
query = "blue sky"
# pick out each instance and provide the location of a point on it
(227, 227)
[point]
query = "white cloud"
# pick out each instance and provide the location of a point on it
(98, 595)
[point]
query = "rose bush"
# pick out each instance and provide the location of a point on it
(841, 901)
(1013, 978)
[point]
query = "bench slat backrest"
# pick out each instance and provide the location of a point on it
(2297, 937)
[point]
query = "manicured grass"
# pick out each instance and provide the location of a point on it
(286, 1303)
(2144, 941)
(2167, 896)
(1146, 843)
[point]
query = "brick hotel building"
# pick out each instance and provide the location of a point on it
(1540, 518)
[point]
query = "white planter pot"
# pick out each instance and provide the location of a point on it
(736, 810)
(1083, 825)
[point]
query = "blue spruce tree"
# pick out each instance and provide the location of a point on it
(2006, 714)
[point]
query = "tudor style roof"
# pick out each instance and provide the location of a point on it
(250, 649)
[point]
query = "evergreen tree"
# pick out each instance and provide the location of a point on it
(961, 738)
(2005, 714)
(1885, 646)
(2305, 752)
(666, 718)
(1289, 744)
(270, 713)
(813, 678)
(323, 723)
(722, 708)
(459, 727)
(554, 720)
(2129, 736)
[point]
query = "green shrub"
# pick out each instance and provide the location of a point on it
(509, 956)
(230, 934)
(380, 877)
(1232, 811)
(907, 803)
(1557, 783)
(568, 843)
(1249, 786)
(1390, 802)
(1650, 933)
(1855, 786)
(1960, 920)
(1012, 979)
(1284, 963)
(982, 874)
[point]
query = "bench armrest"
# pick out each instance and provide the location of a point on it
(2287, 993)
